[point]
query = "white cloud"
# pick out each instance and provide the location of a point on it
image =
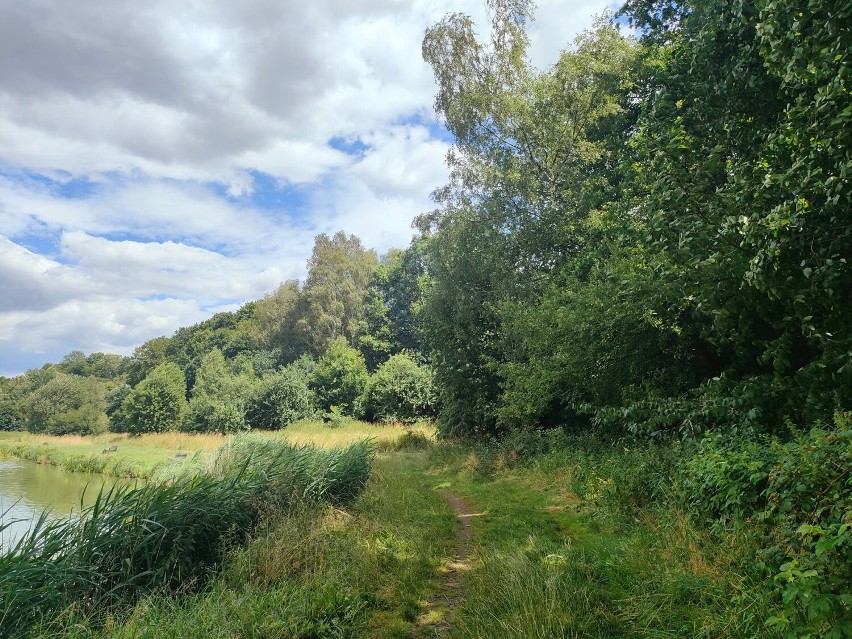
(31, 282)
(168, 111)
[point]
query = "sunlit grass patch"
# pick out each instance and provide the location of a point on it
(312, 572)
(163, 455)
(321, 434)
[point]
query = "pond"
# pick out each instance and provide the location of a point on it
(27, 489)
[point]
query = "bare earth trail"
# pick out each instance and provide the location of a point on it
(436, 620)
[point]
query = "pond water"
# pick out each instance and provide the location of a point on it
(27, 489)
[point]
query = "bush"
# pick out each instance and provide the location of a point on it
(279, 400)
(340, 378)
(218, 403)
(88, 419)
(67, 404)
(157, 404)
(400, 391)
(796, 501)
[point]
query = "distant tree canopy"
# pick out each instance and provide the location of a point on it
(67, 404)
(253, 368)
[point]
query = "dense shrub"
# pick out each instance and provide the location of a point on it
(67, 404)
(340, 378)
(279, 400)
(795, 499)
(218, 402)
(400, 391)
(158, 403)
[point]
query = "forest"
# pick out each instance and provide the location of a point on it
(647, 242)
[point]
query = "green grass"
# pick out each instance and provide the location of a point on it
(325, 572)
(583, 540)
(560, 551)
(165, 537)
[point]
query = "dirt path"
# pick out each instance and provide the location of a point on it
(436, 620)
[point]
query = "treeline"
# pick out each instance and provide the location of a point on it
(340, 345)
(653, 235)
(652, 238)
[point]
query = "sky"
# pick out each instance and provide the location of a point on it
(164, 161)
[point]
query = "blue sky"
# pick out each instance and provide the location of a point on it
(160, 162)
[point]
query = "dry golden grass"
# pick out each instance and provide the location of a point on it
(320, 434)
(156, 447)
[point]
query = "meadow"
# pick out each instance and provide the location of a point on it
(156, 454)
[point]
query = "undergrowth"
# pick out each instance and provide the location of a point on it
(730, 536)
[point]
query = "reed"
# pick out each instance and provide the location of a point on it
(166, 536)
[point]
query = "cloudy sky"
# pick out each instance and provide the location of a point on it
(161, 161)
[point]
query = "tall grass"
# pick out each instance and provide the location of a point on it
(587, 538)
(165, 536)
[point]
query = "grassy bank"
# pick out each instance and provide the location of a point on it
(165, 537)
(161, 455)
(321, 571)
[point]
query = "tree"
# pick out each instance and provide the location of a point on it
(146, 358)
(107, 365)
(67, 404)
(157, 404)
(534, 173)
(11, 409)
(279, 400)
(277, 316)
(75, 363)
(218, 402)
(388, 325)
(339, 272)
(459, 323)
(744, 181)
(340, 378)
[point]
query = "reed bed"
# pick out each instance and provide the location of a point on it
(167, 536)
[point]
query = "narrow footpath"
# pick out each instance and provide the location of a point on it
(438, 613)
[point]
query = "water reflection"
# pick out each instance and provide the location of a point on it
(27, 489)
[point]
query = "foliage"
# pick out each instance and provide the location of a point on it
(67, 404)
(400, 391)
(146, 358)
(158, 403)
(277, 315)
(742, 174)
(279, 400)
(339, 272)
(388, 326)
(796, 499)
(533, 171)
(340, 378)
(218, 402)
(101, 365)
(11, 410)
(460, 325)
